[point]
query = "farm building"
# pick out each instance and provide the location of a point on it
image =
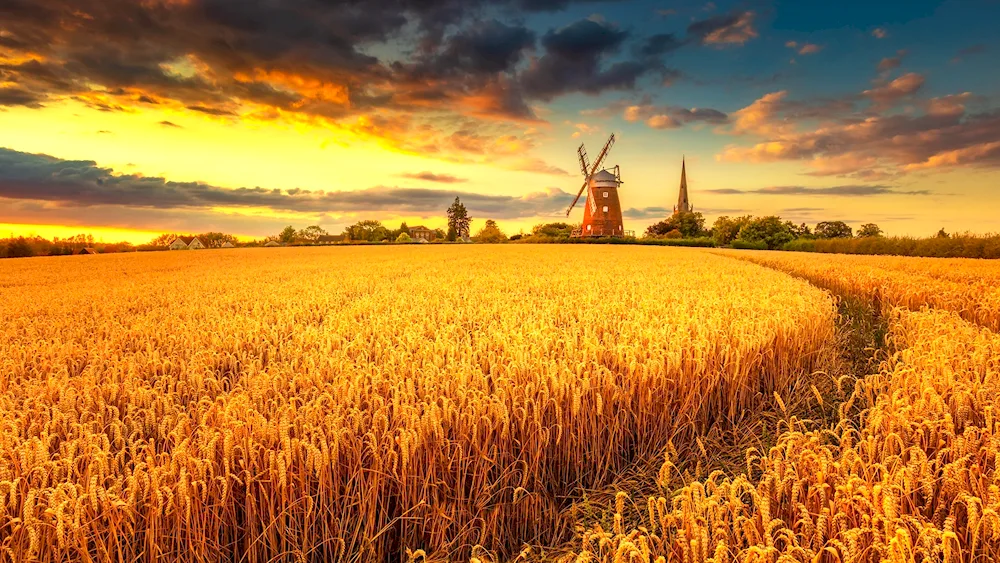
(182, 243)
(272, 243)
(331, 239)
(421, 233)
(87, 250)
(227, 244)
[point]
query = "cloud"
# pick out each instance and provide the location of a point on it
(13, 96)
(432, 177)
(875, 146)
(880, 33)
(575, 60)
(889, 63)
(804, 48)
(170, 124)
(672, 117)
(660, 44)
(847, 190)
(734, 28)
(331, 63)
(67, 184)
(898, 89)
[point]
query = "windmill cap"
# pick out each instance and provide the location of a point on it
(605, 176)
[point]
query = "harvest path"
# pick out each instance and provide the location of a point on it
(350, 403)
(909, 473)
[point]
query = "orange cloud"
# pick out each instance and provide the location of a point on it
(900, 88)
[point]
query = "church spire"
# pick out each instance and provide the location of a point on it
(683, 204)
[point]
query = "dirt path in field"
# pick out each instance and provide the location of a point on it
(814, 402)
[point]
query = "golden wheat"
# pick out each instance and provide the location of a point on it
(364, 403)
(908, 474)
(970, 288)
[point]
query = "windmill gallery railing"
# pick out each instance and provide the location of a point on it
(578, 233)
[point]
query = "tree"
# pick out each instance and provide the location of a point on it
(553, 230)
(869, 230)
(458, 219)
(491, 233)
(19, 248)
(770, 230)
(942, 234)
(438, 234)
(402, 229)
(162, 240)
(726, 229)
(216, 240)
(311, 234)
(690, 225)
(801, 231)
(452, 235)
(403, 237)
(287, 235)
(833, 229)
(369, 230)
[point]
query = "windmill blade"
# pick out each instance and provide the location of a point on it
(584, 164)
(603, 155)
(586, 182)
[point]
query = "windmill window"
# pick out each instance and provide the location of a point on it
(588, 227)
(605, 208)
(605, 194)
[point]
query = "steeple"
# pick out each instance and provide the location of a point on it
(683, 204)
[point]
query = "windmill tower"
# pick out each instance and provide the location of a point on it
(603, 215)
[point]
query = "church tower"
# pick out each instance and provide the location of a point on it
(683, 203)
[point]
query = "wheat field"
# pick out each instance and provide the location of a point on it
(907, 473)
(368, 404)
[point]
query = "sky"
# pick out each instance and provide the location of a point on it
(131, 118)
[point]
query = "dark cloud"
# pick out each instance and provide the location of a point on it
(74, 184)
(660, 44)
(13, 96)
(211, 111)
(170, 124)
(483, 48)
(432, 177)
(307, 56)
(575, 60)
(847, 190)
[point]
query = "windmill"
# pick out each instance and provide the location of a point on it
(603, 214)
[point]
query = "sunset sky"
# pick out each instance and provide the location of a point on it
(129, 118)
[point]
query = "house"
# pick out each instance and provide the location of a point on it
(227, 244)
(421, 233)
(331, 239)
(272, 243)
(182, 243)
(87, 250)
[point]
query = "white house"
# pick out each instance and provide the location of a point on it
(182, 243)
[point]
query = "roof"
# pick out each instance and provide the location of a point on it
(227, 244)
(419, 228)
(88, 250)
(605, 176)
(272, 243)
(186, 240)
(331, 238)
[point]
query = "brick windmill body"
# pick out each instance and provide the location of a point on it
(602, 216)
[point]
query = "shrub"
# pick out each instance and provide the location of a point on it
(748, 245)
